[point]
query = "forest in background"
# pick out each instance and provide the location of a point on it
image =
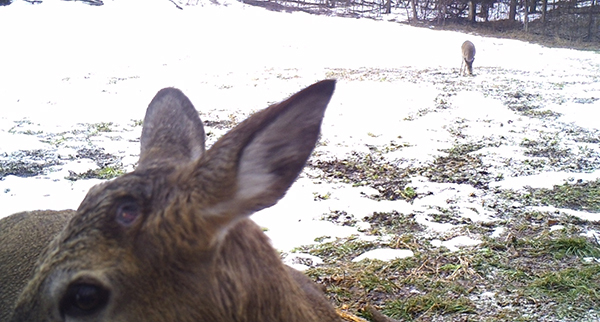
(561, 23)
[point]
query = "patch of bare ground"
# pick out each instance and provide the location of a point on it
(530, 264)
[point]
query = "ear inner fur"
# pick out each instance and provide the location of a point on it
(266, 152)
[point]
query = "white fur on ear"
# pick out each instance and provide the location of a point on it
(272, 160)
(281, 138)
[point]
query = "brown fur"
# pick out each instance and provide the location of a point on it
(171, 241)
(468, 56)
(23, 237)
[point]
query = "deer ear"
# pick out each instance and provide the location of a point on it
(269, 150)
(172, 132)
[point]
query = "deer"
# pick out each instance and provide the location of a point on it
(172, 240)
(468, 56)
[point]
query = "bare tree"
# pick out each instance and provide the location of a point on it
(544, 10)
(472, 10)
(413, 3)
(589, 36)
(526, 18)
(485, 10)
(512, 11)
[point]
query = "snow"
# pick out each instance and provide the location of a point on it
(384, 254)
(454, 243)
(66, 63)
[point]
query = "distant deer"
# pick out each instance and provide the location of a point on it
(172, 241)
(468, 56)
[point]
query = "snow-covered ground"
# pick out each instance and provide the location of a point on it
(66, 65)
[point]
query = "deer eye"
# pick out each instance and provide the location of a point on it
(82, 299)
(127, 213)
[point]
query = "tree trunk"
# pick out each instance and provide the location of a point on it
(591, 22)
(485, 10)
(414, 10)
(544, 9)
(526, 18)
(442, 7)
(512, 12)
(444, 11)
(388, 6)
(471, 11)
(533, 6)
